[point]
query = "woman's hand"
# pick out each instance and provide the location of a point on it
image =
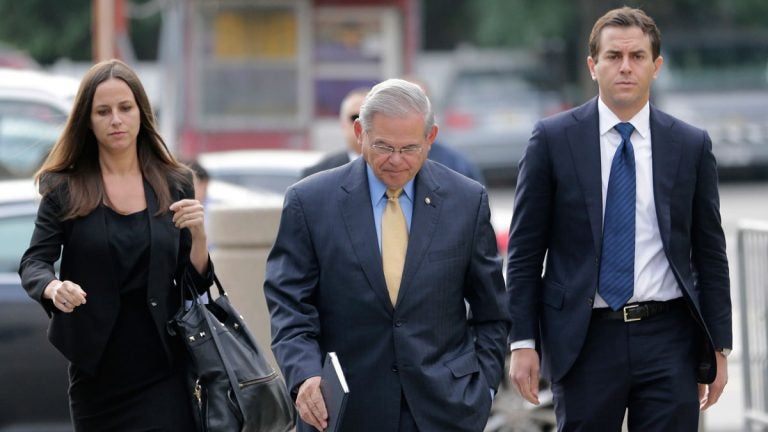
(66, 295)
(189, 213)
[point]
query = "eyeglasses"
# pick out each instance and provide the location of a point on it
(353, 117)
(389, 150)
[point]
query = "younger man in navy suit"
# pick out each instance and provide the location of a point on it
(621, 200)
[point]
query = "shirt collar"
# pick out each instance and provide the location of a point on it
(378, 189)
(641, 121)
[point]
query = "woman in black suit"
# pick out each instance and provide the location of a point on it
(120, 212)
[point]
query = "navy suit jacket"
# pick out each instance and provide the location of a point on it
(326, 291)
(558, 215)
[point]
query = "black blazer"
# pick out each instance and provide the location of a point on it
(85, 259)
(558, 218)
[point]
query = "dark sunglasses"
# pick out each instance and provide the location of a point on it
(354, 117)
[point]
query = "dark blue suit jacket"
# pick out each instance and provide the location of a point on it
(558, 214)
(326, 292)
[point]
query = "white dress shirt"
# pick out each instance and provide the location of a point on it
(654, 279)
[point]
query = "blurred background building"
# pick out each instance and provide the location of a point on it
(235, 74)
(266, 77)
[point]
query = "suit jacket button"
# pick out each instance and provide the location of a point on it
(398, 323)
(153, 302)
(394, 368)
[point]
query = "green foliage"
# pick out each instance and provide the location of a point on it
(145, 34)
(525, 23)
(51, 29)
(522, 23)
(47, 29)
(445, 24)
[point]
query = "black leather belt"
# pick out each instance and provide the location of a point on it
(638, 311)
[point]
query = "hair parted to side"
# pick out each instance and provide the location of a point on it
(625, 17)
(394, 98)
(74, 158)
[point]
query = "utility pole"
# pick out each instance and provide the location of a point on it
(110, 30)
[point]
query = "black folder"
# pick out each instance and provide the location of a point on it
(333, 385)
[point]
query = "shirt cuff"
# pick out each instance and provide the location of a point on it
(525, 343)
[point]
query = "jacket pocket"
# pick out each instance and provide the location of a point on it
(553, 295)
(455, 251)
(463, 365)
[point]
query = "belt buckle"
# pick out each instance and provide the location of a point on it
(626, 309)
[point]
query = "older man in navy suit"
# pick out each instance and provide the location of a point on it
(620, 199)
(377, 260)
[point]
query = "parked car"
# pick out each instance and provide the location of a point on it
(32, 372)
(11, 57)
(488, 112)
(720, 83)
(272, 170)
(34, 106)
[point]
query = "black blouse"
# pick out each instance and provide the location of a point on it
(133, 356)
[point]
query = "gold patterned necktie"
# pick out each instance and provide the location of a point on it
(394, 242)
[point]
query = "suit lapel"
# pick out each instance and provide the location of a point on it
(665, 154)
(162, 254)
(356, 211)
(584, 140)
(426, 213)
(149, 196)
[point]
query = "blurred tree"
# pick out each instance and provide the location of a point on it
(522, 23)
(145, 34)
(445, 24)
(49, 30)
(561, 27)
(525, 23)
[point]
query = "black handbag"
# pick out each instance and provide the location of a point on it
(234, 387)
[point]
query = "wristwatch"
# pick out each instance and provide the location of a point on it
(724, 351)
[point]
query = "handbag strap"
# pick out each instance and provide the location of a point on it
(185, 283)
(234, 383)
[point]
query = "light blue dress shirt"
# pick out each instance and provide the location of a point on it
(378, 192)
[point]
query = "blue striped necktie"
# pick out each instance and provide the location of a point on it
(617, 263)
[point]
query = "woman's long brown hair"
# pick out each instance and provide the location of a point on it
(75, 156)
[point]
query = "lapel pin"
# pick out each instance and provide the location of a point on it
(427, 201)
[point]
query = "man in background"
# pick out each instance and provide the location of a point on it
(201, 180)
(348, 113)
